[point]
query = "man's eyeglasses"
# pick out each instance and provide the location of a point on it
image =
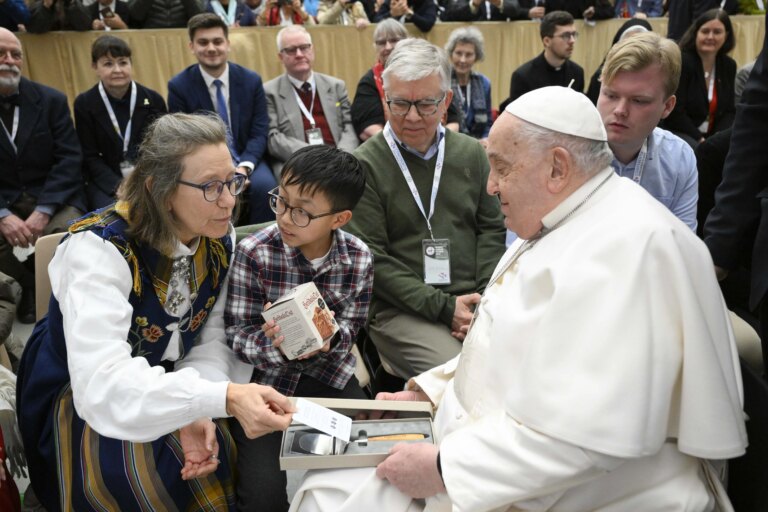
(300, 217)
(566, 36)
(425, 108)
(291, 50)
(213, 189)
(391, 40)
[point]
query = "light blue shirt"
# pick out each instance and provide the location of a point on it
(669, 174)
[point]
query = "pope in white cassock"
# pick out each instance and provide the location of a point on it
(600, 372)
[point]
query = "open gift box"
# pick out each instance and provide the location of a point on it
(304, 447)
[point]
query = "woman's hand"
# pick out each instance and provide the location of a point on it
(201, 449)
(259, 409)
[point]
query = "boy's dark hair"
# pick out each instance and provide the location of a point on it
(109, 45)
(205, 20)
(333, 172)
(552, 20)
(688, 41)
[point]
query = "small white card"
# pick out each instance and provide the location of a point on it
(323, 419)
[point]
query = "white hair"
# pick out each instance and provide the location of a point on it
(288, 30)
(414, 59)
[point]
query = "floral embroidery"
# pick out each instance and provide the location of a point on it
(141, 333)
(198, 319)
(211, 301)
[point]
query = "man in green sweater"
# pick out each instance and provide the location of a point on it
(435, 233)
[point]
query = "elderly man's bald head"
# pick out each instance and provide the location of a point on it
(11, 58)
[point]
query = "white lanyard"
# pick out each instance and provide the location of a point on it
(487, 11)
(469, 94)
(14, 128)
(307, 113)
(229, 15)
(126, 138)
(640, 162)
(711, 88)
(409, 179)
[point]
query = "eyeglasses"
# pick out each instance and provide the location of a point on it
(291, 50)
(566, 36)
(300, 217)
(212, 189)
(425, 108)
(391, 40)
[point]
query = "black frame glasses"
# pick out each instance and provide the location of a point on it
(431, 105)
(214, 188)
(291, 50)
(300, 217)
(566, 36)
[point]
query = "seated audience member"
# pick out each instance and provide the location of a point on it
(639, 8)
(705, 103)
(741, 80)
(13, 14)
(256, 6)
(49, 15)
(111, 119)
(471, 90)
(485, 10)
(131, 364)
(342, 12)
(163, 13)
(630, 27)
(41, 183)
(422, 305)
(422, 13)
(738, 223)
(234, 13)
(531, 417)
(109, 15)
(683, 13)
(369, 112)
(587, 9)
(305, 107)
(639, 80)
(318, 189)
(553, 66)
(236, 94)
(284, 13)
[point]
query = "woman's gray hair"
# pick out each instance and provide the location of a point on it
(413, 59)
(590, 156)
(288, 30)
(154, 180)
(388, 28)
(467, 35)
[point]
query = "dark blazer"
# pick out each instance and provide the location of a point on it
(424, 13)
(102, 147)
(741, 200)
(692, 107)
(47, 163)
(247, 105)
(121, 9)
(461, 10)
(537, 73)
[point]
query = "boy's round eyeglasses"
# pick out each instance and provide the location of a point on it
(300, 217)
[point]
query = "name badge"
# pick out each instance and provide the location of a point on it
(126, 168)
(481, 118)
(314, 136)
(437, 261)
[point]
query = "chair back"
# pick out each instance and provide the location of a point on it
(44, 249)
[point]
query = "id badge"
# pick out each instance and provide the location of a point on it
(314, 136)
(437, 261)
(126, 168)
(481, 118)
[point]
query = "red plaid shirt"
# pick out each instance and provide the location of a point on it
(263, 270)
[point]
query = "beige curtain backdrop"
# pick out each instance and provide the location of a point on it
(62, 59)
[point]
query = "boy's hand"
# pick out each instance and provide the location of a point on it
(271, 330)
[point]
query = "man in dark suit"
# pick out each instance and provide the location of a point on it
(237, 95)
(741, 200)
(107, 113)
(109, 15)
(40, 182)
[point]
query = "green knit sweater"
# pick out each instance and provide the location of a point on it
(389, 221)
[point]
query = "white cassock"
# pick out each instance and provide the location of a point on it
(600, 374)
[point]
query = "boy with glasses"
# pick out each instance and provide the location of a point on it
(553, 66)
(319, 187)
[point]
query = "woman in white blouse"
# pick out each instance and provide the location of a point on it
(118, 385)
